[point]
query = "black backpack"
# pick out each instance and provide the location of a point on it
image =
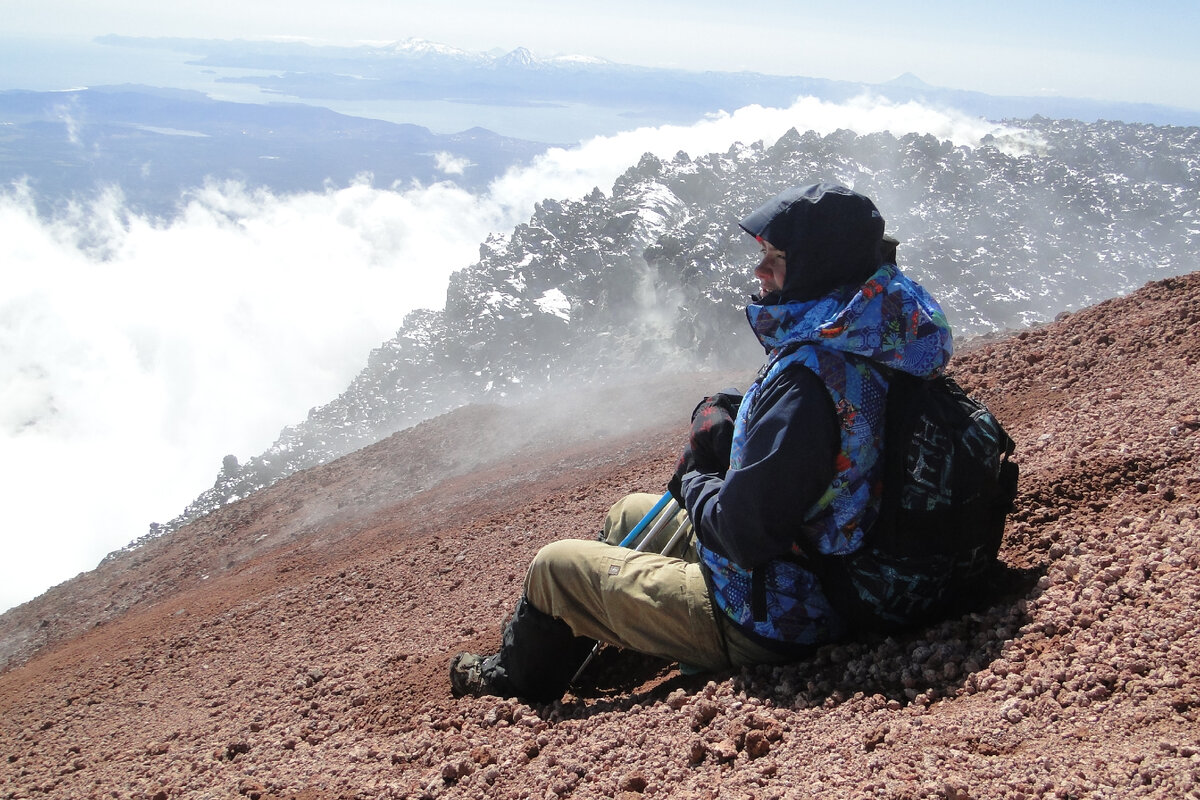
(948, 485)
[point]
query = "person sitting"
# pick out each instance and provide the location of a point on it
(792, 467)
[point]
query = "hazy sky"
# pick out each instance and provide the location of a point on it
(1105, 50)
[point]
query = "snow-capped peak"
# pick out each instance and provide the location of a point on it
(424, 47)
(520, 57)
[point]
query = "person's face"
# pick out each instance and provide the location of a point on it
(772, 270)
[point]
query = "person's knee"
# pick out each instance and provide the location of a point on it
(551, 556)
(543, 578)
(616, 524)
(624, 515)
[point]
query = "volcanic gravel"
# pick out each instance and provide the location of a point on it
(295, 644)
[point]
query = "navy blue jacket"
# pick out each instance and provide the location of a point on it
(754, 515)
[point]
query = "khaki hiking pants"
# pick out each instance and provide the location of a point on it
(644, 601)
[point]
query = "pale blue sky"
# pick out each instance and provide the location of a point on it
(1105, 50)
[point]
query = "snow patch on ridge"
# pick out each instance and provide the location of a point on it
(555, 303)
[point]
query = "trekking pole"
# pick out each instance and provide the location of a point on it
(672, 508)
(683, 530)
(665, 509)
(650, 515)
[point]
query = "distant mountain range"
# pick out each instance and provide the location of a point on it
(420, 70)
(156, 143)
(653, 277)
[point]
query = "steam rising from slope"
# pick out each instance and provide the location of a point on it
(136, 352)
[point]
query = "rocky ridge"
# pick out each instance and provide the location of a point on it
(296, 643)
(1056, 216)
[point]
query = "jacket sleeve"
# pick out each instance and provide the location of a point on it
(755, 512)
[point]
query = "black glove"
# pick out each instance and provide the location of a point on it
(709, 440)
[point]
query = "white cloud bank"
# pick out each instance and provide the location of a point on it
(135, 354)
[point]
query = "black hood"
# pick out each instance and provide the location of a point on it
(831, 236)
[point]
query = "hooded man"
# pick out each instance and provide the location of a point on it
(791, 468)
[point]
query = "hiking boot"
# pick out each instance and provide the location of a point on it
(467, 676)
